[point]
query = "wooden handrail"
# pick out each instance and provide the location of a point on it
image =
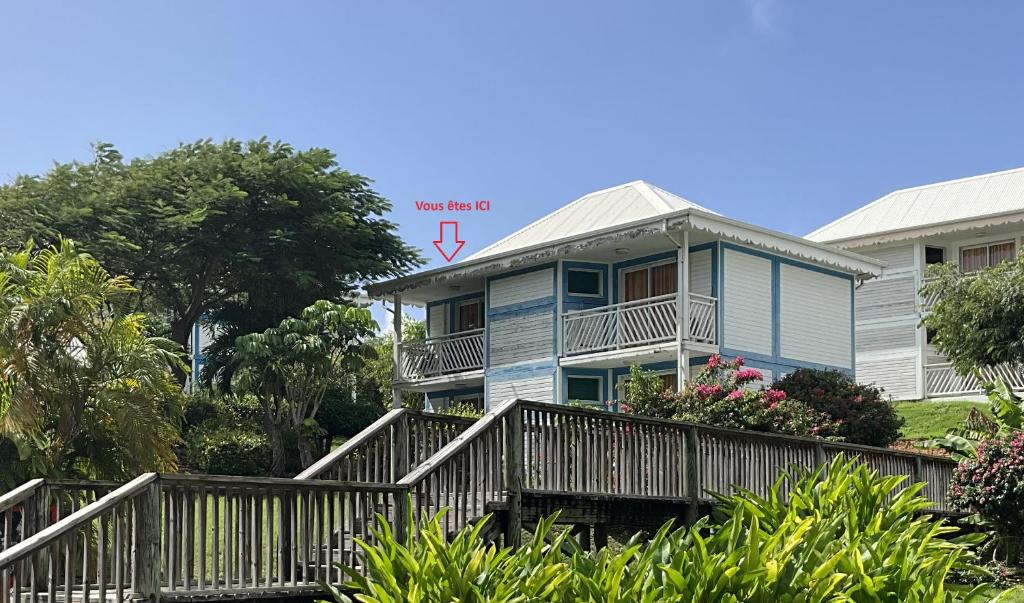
(364, 436)
(44, 538)
(20, 494)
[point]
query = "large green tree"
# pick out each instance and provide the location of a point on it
(290, 366)
(978, 318)
(244, 233)
(83, 390)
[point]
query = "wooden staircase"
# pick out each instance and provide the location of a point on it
(192, 537)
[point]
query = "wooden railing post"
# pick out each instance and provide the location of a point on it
(691, 477)
(146, 544)
(514, 475)
(400, 447)
(819, 454)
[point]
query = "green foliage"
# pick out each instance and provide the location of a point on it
(927, 419)
(646, 395)
(721, 395)
(289, 368)
(341, 415)
(85, 392)
(845, 534)
(462, 409)
(863, 414)
(978, 317)
(230, 451)
(245, 234)
(1007, 417)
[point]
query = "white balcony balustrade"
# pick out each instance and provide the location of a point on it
(637, 323)
(444, 355)
(942, 380)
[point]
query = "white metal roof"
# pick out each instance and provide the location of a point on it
(592, 212)
(996, 195)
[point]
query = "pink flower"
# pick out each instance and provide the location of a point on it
(626, 408)
(774, 395)
(714, 361)
(749, 374)
(736, 394)
(738, 361)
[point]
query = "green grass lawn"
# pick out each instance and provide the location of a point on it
(932, 419)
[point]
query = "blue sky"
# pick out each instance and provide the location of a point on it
(782, 114)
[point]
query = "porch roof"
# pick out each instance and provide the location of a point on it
(599, 221)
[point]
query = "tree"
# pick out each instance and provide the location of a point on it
(290, 366)
(84, 392)
(978, 318)
(245, 234)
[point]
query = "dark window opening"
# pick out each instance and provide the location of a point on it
(584, 282)
(585, 389)
(934, 255)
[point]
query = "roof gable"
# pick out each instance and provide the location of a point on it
(981, 196)
(592, 212)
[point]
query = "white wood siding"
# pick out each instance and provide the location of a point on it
(896, 258)
(521, 338)
(898, 375)
(700, 272)
(886, 336)
(438, 320)
(522, 288)
(747, 295)
(814, 317)
(886, 299)
(537, 388)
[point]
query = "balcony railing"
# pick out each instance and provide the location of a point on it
(941, 380)
(444, 355)
(637, 323)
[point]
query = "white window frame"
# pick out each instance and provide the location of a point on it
(988, 250)
(600, 282)
(600, 387)
(648, 268)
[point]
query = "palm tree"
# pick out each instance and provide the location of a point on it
(83, 390)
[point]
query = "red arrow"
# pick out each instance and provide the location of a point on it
(440, 242)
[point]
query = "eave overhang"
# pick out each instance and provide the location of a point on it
(938, 228)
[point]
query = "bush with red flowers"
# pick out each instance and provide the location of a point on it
(722, 394)
(991, 484)
(864, 415)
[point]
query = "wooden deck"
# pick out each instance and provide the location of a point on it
(197, 537)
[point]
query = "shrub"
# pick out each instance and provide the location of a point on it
(849, 535)
(340, 415)
(992, 485)
(229, 451)
(864, 415)
(646, 395)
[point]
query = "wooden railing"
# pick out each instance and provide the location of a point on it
(39, 503)
(191, 535)
(386, 450)
(943, 380)
(637, 323)
(444, 355)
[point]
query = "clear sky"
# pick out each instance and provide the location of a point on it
(784, 114)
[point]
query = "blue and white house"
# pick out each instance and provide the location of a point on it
(633, 274)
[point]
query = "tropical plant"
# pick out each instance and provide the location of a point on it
(977, 318)
(1008, 417)
(84, 391)
(289, 368)
(243, 233)
(863, 413)
(844, 533)
(646, 394)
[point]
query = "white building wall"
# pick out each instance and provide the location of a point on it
(700, 272)
(815, 317)
(522, 288)
(537, 388)
(522, 338)
(747, 308)
(438, 320)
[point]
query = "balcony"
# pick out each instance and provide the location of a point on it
(444, 355)
(637, 323)
(940, 380)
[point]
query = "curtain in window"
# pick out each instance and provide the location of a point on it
(635, 285)
(470, 317)
(973, 259)
(669, 382)
(663, 280)
(1000, 252)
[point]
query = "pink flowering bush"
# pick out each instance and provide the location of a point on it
(723, 394)
(992, 485)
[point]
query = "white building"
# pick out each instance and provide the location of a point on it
(559, 310)
(974, 222)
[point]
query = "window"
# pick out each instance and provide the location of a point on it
(669, 381)
(470, 316)
(476, 401)
(934, 255)
(585, 282)
(650, 281)
(982, 256)
(585, 389)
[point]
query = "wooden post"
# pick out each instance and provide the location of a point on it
(401, 525)
(514, 475)
(400, 447)
(691, 477)
(918, 469)
(146, 544)
(600, 536)
(396, 321)
(819, 454)
(39, 521)
(683, 306)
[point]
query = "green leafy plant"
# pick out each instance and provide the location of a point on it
(462, 409)
(1007, 410)
(840, 533)
(863, 414)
